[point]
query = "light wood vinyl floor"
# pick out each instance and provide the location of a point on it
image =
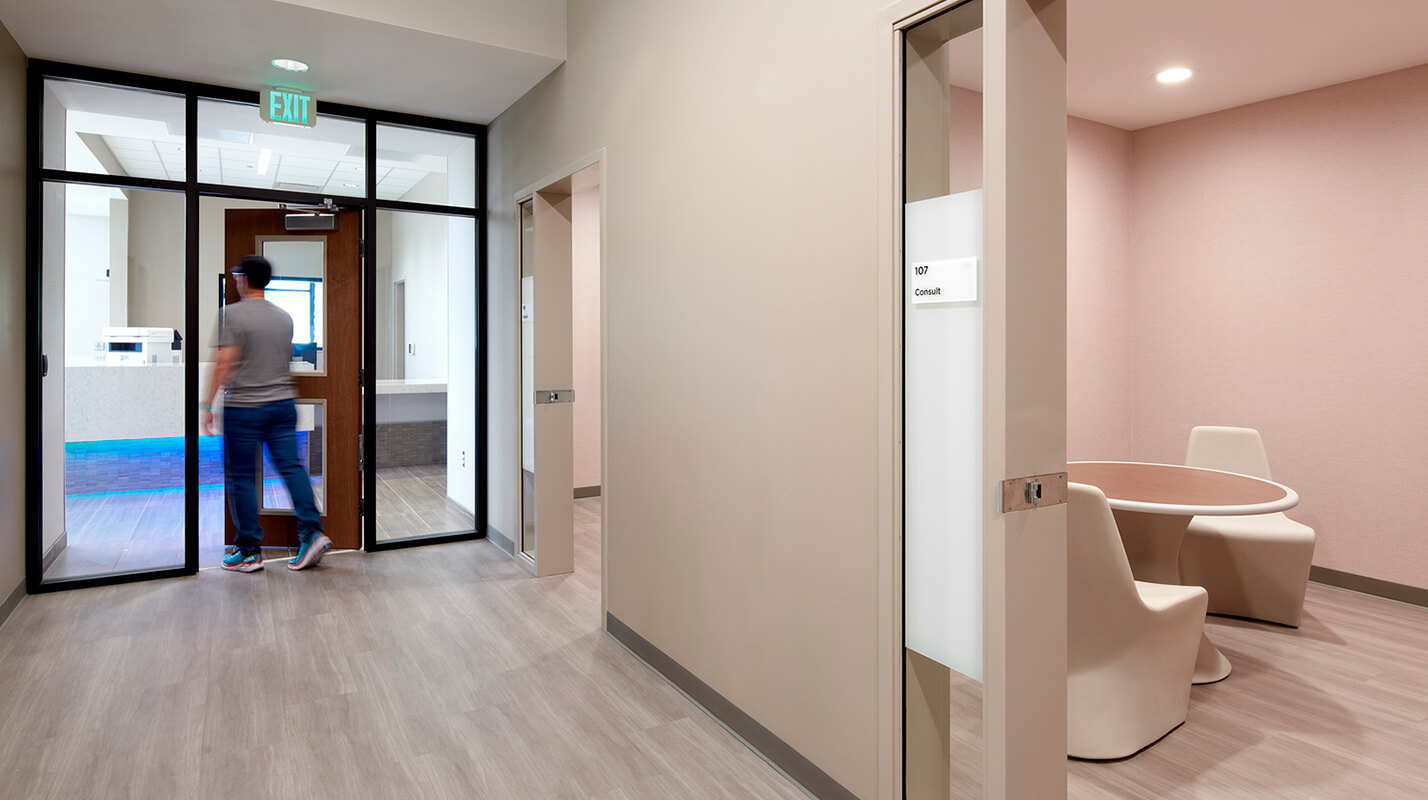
(437, 672)
(1336, 709)
(121, 531)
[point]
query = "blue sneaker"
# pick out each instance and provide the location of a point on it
(237, 562)
(311, 552)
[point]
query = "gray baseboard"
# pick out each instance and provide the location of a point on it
(11, 603)
(501, 540)
(1389, 590)
(759, 739)
(60, 544)
(582, 492)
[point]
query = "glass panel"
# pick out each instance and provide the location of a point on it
(942, 337)
(425, 166)
(528, 516)
(426, 375)
(311, 435)
(237, 148)
(299, 288)
(106, 130)
(113, 297)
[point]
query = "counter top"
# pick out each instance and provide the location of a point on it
(411, 387)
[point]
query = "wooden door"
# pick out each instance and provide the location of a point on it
(335, 387)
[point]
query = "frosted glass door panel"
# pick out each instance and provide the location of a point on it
(943, 427)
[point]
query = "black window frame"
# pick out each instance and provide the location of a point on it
(37, 177)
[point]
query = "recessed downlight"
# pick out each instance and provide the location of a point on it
(289, 64)
(1174, 75)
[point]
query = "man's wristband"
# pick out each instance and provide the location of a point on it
(206, 408)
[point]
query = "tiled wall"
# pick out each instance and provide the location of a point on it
(126, 465)
(405, 444)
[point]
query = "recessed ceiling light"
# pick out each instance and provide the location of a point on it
(350, 185)
(1174, 75)
(289, 64)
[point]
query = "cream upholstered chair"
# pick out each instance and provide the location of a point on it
(1255, 566)
(1131, 645)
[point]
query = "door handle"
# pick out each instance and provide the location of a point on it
(544, 396)
(44, 365)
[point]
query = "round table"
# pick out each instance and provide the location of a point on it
(1153, 505)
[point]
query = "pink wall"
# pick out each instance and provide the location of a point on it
(1099, 384)
(1100, 390)
(1279, 251)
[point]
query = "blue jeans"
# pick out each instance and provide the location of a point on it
(245, 431)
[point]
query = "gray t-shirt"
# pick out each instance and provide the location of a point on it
(264, 335)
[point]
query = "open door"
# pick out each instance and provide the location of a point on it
(547, 418)
(317, 278)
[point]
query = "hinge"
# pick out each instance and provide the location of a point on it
(361, 248)
(362, 507)
(361, 376)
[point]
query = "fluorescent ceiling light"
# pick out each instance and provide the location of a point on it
(1174, 75)
(289, 64)
(263, 158)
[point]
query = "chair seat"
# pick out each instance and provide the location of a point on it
(1266, 526)
(1161, 597)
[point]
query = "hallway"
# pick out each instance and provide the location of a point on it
(436, 672)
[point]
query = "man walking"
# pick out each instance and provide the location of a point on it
(254, 351)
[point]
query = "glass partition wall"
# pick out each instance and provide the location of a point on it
(141, 192)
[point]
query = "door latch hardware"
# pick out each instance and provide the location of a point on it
(1033, 491)
(544, 396)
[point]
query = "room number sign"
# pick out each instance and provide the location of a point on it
(950, 280)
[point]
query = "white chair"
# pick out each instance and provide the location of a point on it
(1131, 645)
(1255, 566)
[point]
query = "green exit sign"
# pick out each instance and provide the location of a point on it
(288, 107)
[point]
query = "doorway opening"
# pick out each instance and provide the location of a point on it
(560, 343)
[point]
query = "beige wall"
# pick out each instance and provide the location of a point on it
(585, 329)
(742, 250)
(12, 313)
(158, 281)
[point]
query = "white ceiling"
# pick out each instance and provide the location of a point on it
(470, 60)
(1243, 51)
(140, 134)
(465, 60)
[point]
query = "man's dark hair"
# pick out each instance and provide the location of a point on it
(256, 269)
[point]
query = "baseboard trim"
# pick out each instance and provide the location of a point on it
(780, 754)
(54, 552)
(1388, 590)
(582, 492)
(501, 540)
(11, 603)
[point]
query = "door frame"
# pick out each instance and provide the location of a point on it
(37, 177)
(1024, 657)
(559, 182)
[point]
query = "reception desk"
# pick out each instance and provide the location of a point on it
(103, 403)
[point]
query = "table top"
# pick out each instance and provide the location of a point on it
(1181, 490)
